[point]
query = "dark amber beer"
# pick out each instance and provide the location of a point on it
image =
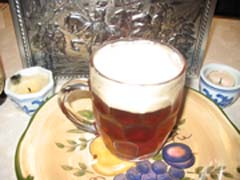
(133, 135)
(137, 91)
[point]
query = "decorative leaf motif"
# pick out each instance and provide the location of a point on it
(83, 146)
(82, 166)
(77, 131)
(67, 168)
(72, 145)
(60, 145)
(212, 172)
(82, 139)
(220, 168)
(87, 114)
(214, 176)
(79, 173)
(198, 169)
(228, 175)
(158, 156)
(71, 149)
(209, 169)
(81, 170)
(71, 142)
(238, 169)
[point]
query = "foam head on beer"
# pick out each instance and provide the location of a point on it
(138, 62)
(133, 75)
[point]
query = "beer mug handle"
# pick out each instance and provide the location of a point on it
(69, 92)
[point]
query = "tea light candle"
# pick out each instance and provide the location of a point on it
(221, 78)
(30, 87)
(28, 84)
(221, 83)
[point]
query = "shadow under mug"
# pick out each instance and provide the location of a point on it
(134, 120)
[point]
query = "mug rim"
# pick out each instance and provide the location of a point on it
(181, 57)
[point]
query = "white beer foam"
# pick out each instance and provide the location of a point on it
(138, 62)
(142, 65)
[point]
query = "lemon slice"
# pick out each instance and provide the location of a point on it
(105, 163)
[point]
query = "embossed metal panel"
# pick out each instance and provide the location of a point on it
(61, 34)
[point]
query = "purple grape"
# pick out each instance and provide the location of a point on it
(143, 166)
(120, 177)
(166, 176)
(159, 167)
(133, 174)
(177, 173)
(183, 165)
(176, 152)
(149, 176)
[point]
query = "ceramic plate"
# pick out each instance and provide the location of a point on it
(52, 148)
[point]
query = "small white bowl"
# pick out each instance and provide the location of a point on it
(222, 94)
(29, 102)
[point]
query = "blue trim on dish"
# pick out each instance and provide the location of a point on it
(29, 111)
(220, 99)
(221, 90)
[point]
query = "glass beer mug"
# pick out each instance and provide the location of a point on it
(136, 88)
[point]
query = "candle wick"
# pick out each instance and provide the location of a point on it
(220, 81)
(29, 89)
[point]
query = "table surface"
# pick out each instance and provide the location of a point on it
(222, 47)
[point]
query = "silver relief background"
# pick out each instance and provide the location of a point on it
(61, 34)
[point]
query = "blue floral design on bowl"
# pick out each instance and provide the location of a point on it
(222, 96)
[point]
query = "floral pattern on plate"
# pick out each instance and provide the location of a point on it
(52, 148)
